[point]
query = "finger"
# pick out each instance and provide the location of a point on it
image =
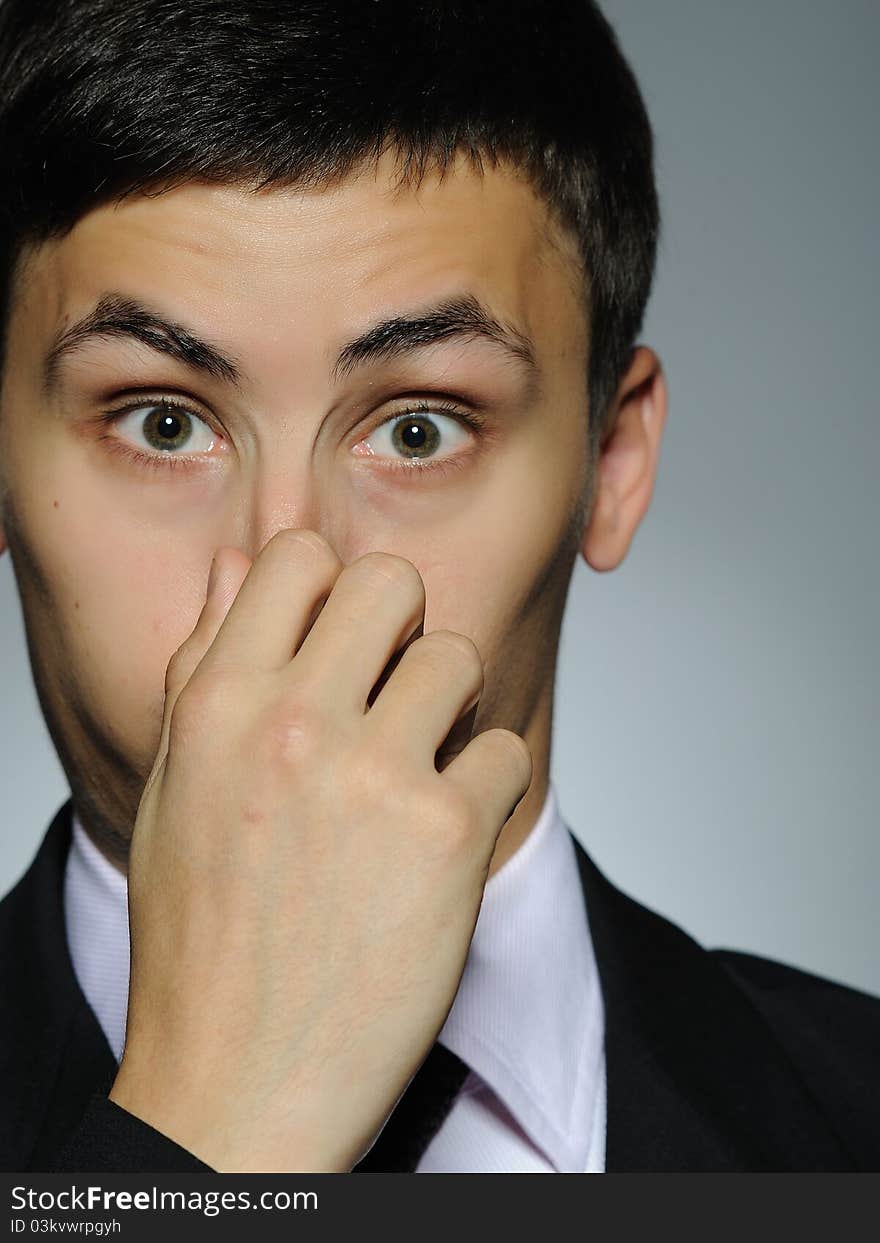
(229, 569)
(495, 769)
(437, 681)
(276, 604)
(377, 603)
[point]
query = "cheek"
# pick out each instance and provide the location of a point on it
(127, 613)
(105, 604)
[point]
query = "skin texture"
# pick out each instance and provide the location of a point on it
(111, 560)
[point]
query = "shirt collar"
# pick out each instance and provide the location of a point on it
(528, 1016)
(96, 921)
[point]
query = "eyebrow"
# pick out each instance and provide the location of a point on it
(118, 316)
(462, 317)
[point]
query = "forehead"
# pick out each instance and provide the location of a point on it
(321, 261)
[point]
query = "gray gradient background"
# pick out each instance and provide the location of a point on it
(716, 730)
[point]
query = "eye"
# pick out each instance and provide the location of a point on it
(417, 435)
(165, 427)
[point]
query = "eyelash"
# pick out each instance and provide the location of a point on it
(416, 467)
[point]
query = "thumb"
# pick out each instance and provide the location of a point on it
(228, 571)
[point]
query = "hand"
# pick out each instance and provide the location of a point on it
(303, 882)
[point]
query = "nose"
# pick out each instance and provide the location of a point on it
(289, 489)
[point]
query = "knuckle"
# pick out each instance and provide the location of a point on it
(293, 733)
(372, 780)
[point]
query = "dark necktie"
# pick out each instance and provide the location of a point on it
(417, 1116)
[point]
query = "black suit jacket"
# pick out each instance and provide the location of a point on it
(716, 1060)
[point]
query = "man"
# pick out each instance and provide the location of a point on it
(341, 302)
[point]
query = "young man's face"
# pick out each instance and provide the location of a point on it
(111, 552)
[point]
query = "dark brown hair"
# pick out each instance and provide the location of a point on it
(100, 99)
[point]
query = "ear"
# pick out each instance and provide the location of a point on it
(627, 464)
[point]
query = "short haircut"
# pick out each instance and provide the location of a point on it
(100, 99)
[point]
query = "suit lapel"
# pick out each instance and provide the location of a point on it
(53, 1053)
(695, 1079)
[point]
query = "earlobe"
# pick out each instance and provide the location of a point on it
(627, 465)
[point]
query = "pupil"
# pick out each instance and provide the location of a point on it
(169, 426)
(414, 436)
